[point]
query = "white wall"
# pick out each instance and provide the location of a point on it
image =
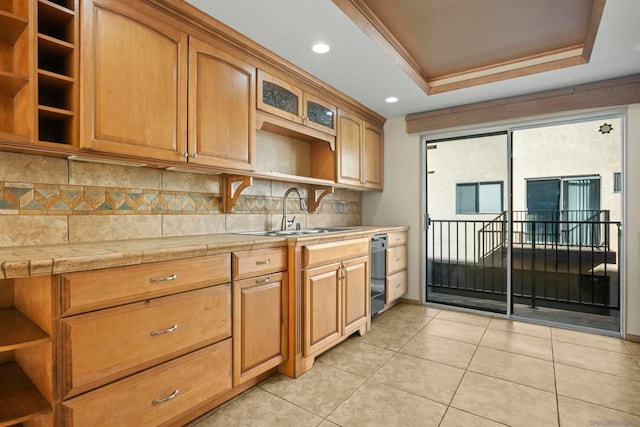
(399, 203)
(632, 229)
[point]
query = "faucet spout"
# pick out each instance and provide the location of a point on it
(285, 223)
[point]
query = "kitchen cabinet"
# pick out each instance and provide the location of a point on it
(292, 103)
(222, 104)
(396, 280)
(259, 312)
(134, 81)
(146, 342)
(15, 97)
(359, 152)
(335, 292)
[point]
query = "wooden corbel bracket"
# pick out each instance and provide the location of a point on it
(232, 186)
(316, 194)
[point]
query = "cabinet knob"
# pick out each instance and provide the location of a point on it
(267, 261)
(185, 154)
(194, 155)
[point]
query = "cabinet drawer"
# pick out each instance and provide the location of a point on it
(138, 400)
(106, 345)
(326, 253)
(396, 259)
(91, 290)
(397, 238)
(396, 286)
(256, 263)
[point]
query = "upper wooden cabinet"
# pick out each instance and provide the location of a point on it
(133, 81)
(359, 152)
(222, 104)
(290, 102)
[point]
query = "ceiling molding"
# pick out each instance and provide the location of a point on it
(607, 93)
(362, 15)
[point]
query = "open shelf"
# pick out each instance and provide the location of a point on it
(67, 4)
(12, 27)
(11, 83)
(54, 46)
(53, 80)
(55, 21)
(20, 400)
(18, 330)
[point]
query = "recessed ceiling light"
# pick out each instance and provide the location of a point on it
(320, 47)
(391, 99)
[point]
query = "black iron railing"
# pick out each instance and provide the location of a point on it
(568, 261)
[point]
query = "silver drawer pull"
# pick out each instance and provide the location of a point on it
(268, 261)
(398, 259)
(163, 279)
(165, 399)
(166, 331)
(267, 280)
(398, 285)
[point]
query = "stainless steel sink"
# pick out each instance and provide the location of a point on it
(301, 232)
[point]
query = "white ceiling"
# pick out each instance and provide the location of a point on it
(357, 67)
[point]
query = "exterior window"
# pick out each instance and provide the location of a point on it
(478, 198)
(617, 182)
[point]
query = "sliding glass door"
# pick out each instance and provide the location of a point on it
(526, 222)
(466, 239)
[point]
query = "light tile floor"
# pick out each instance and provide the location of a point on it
(422, 366)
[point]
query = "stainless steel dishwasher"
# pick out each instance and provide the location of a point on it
(378, 273)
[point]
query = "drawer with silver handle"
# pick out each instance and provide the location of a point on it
(258, 262)
(109, 344)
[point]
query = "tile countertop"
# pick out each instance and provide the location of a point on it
(44, 260)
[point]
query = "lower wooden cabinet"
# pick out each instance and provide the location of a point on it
(157, 396)
(259, 328)
(396, 280)
(102, 346)
(336, 295)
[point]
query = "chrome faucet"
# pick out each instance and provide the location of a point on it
(286, 223)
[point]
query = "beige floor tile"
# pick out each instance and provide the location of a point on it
(376, 404)
(391, 339)
(471, 334)
(320, 390)
(517, 343)
(356, 357)
(634, 347)
(601, 389)
(575, 413)
(539, 331)
(589, 340)
(401, 321)
(327, 423)
(417, 310)
(506, 402)
(468, 318)
(513, 367)
(421, 377)
(443, 350)
(609, 362)
(257, 408)
(457, 418)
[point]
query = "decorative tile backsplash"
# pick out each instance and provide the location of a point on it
(51, 200)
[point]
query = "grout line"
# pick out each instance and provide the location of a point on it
(555, 380)
(599, 372)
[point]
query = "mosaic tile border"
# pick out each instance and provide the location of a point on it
(52, 199)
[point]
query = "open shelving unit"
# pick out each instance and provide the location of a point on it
(25, 381)
(15, 123)
(57, 37)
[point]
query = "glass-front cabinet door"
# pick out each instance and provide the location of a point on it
(319, 114)
(278, 97)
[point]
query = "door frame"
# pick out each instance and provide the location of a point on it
(510, 127)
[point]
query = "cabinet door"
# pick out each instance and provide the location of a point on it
(259, 337)
(372, 152)
(222, 103)
(278, 97)
(356, 294)
(349, 145)
(322, 315)
(133, 81)
(319, 114)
